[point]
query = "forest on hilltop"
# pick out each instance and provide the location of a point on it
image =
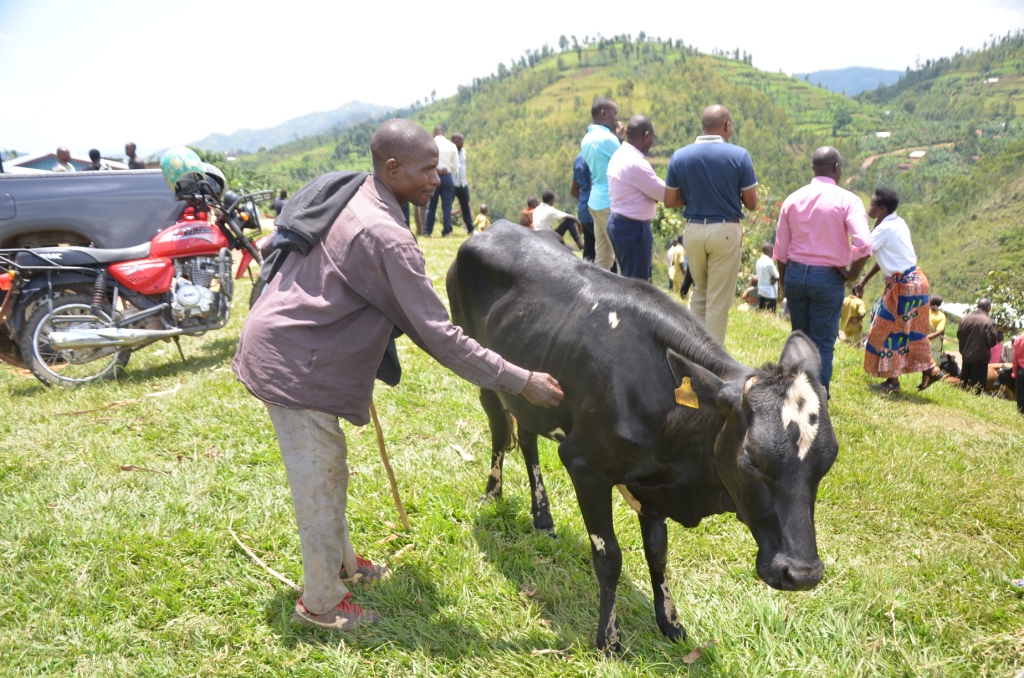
(523, 124)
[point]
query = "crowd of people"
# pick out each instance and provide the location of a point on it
(96, 161)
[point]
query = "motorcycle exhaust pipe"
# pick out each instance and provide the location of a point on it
(107, 336)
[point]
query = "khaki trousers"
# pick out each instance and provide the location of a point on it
(714, 254)
(604, 253)
(314, 453)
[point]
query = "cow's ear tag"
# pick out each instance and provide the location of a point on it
(685, 394)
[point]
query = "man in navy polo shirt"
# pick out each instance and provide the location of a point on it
(713, 180)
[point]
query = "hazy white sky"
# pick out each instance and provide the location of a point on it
(95, 74)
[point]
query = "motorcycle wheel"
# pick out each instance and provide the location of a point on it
(73, 367)
(257, 291)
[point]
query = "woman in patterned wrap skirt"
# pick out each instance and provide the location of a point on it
(898, 341)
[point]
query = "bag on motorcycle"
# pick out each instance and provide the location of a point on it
(304, 222)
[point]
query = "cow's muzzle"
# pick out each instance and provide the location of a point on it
(788, 574)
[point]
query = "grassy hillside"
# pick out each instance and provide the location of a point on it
(523, 126)
(106, 572)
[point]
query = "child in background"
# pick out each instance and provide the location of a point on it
(482, 221)
(526, 216)
(750, 295)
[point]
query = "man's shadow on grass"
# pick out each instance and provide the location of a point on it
(417, 617)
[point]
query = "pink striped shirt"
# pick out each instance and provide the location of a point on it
(635, 190)
(822, 224)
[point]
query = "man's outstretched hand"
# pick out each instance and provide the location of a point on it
(542, 390)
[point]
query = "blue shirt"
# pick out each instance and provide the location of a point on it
(710, 174)
(597, 148)
(581, 175)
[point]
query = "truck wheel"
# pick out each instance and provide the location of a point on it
(71, 367)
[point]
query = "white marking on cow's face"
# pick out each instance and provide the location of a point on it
(802, 406)
(557, 434)
(594, 307)
(613, 319)
(669, 606)
(630, 499)
(598, 543)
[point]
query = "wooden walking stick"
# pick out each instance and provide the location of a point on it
(387, 467)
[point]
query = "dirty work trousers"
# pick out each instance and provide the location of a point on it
(713, 251)
(604, 253)
(314, 452)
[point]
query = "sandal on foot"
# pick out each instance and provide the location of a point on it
(886, 387)
(344, 617)
(366, 572)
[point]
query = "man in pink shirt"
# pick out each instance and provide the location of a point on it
(635, 191)
(821, 243)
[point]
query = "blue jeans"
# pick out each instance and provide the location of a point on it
(632, 242)
(446, 191)
(815, 296)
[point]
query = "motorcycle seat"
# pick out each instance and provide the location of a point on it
(80, 256)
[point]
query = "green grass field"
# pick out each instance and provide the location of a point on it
(105, 572)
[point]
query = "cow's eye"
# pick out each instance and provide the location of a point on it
(750, 462)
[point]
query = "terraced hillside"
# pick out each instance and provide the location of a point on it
(523, 126)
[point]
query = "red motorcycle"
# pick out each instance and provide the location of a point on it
(78, 313)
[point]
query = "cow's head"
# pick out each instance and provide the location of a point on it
(775, 446)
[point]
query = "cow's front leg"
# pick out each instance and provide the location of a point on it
(500, 423)
(656, 549)
(539, 506)
(595, 500)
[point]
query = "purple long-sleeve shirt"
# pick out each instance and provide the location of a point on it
(316, 337)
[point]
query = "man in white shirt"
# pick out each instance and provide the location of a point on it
(767, 279)
(546, 216)
(462, 184)
(447, 165)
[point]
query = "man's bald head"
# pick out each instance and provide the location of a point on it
(438, 130)
(63, 154)
(640, 133)
(717, 120)
(397, 138)
(826, 162)
(405, 160)
(985, 304)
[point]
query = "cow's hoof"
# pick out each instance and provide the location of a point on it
(610, 650)
(676, 634)
(490, 496)
(545, 525)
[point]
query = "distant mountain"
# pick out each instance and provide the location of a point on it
(250, 140)
(853, 80)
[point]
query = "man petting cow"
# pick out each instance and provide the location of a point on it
(655, 406)
(312, 344)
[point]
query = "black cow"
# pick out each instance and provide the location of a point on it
(653, 405)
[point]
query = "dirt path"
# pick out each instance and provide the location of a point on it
(871, 158)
